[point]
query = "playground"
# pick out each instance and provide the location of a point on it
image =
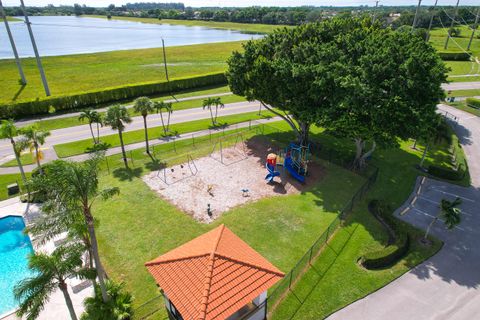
(207, 187)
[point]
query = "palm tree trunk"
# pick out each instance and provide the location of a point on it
(63, 287)
(19, 162)
(37, 156)
(93, 135)
(147, 146)
(98, 132)
(124, 154)
(96, 256)
(428, 228)
(163, 124)
(211, 115)
(216, 113)
(168, 120)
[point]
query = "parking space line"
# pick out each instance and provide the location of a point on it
(429, 215)
(453, 194)
(426, 199)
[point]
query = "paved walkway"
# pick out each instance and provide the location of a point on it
(461, 85)
(446, 286)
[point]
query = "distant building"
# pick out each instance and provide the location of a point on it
(215, 276)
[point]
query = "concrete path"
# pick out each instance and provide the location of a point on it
(82, 132)
(446, 286)
(461, 85)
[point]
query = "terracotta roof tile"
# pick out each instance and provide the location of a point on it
(213, 275)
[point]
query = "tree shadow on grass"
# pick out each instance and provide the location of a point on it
(155, 165)
(124, 174)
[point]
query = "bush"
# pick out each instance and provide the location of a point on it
(119, 307)
(93, 98)
(393, 253)
(474, 103)
(454, 56)
(446, 173)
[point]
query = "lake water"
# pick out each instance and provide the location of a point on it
(71, 35)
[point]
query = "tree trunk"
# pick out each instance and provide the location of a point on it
(216, 113)
(91, 131)
(63, 287)
(424, 155)
(37, 158)
(211, 115)
(98, 132)
(147, 146)
(19, 162)
(425, 238)
(303, 133)
(361, 157)
(96, 256)
(124, 154)
(414, 144)
(163, 124)
(168, 120)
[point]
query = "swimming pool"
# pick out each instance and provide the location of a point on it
(14, 249)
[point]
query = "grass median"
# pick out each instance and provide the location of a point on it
(79, 147)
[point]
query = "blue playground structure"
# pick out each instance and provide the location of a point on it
(271, 172)
(296, 161)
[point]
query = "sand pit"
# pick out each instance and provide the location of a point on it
(193, 185)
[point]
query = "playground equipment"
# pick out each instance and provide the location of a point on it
(296, 161)
(241, 151)
(271, 167)
(162, 174)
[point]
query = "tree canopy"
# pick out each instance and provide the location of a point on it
(358, 80)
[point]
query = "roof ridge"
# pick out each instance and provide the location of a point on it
(208, 278)
(277, 272)
(153, 262)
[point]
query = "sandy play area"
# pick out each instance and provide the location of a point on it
(193, 185)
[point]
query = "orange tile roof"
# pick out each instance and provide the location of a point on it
(213, 275)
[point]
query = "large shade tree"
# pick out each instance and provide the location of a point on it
(358, 80)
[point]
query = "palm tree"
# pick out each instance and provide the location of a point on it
(117, 116)
(449, 212)
(92, 117)
(144, 106)
(213, 102)
(160, 106)
(8, 130)
(118, 308)
(49, 273)
(71, 188)
(34, 138)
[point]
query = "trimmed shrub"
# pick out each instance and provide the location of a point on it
(93, 98)
(393, 253)
(454, 56)
(473, 103)
(446, 173)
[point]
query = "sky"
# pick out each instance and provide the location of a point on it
(243, 3)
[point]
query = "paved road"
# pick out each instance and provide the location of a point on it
(446, 286)
(461, 85)
(82, 132)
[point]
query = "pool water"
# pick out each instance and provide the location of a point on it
(14, 249)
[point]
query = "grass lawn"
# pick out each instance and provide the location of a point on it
(336, 280)
(281, 233)
(79, 147)
(461, 105)
(6, 179)
(59, 123)
(465, 93)
(109, 69)
(26, 158)
(244, 27)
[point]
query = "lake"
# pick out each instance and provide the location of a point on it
(71, 35)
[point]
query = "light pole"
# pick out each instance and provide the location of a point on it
(416, 14)
(12, 43)
(35, 50)
(475, 25)
(431, 20)
(165, 60)
(451, 26)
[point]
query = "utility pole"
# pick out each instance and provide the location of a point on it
(451, 26)
(431, 20)
(416, 15)
(35, 50)
(12, 43)
(475, 26)
(375, 12)
(165, 60)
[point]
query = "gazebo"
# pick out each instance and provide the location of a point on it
(215, 276)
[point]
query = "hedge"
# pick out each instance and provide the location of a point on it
(454, 56)
(446, 173)
(93, 98)
(393, 253)
(474, 103)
